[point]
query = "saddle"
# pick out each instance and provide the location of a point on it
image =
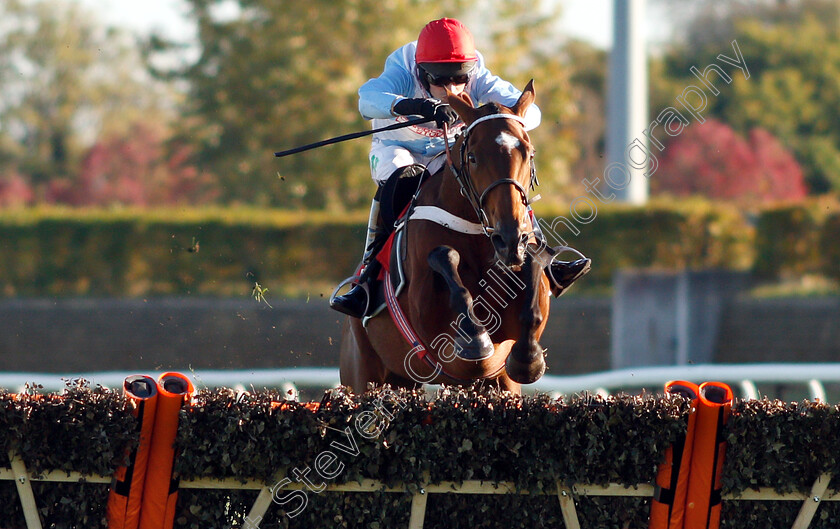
(391, 277)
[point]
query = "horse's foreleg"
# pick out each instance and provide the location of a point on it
(358, 362)
(472, 340)
(526, 363)
(505, 383)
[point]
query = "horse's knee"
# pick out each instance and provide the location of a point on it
(444, 261)
(531, 318)
(444, 258)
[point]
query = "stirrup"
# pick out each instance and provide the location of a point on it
(547, 254)
(356, 282)
(559, 287)
(557, 250)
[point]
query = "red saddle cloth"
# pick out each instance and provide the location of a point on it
(384, 255)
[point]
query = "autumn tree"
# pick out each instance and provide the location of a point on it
(65, 79)
(587, 70)
(792, 51)
(520, 42)
(712, 160)
(15, 190)
(139, 167)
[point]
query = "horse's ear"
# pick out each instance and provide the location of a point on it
(525, 100)
(463, 105)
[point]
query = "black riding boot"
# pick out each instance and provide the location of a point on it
(561, 274)
(395, 194)
(355, 302)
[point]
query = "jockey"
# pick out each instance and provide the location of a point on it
(414, 83)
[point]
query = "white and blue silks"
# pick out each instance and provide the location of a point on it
(421, 143)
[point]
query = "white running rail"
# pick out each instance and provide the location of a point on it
(744, 379)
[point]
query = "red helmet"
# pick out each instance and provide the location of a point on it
(445, 41)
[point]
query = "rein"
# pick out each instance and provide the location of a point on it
(465, 180)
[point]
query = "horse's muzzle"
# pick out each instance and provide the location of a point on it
(510, 247)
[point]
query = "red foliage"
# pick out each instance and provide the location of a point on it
(135, 169)
(782, 175)
(15, 190)
(713, 160)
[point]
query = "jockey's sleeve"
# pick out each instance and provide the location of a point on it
(377, 96)
(533, 116)
(488, 87)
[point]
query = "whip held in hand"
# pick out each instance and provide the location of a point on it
(352, 136)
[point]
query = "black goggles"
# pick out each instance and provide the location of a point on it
(443, 80)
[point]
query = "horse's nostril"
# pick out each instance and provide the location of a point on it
(498, 243)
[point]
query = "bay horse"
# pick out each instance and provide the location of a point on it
(476, 297)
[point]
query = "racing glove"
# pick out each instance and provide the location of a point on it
(428, 108)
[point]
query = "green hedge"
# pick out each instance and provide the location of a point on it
(460, 434)
(787, 241)
(58, 252)
(797, 239)
(201, 252)
(695, 235)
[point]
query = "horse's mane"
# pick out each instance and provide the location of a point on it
(495, 108)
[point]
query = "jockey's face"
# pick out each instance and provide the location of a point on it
(439, 92)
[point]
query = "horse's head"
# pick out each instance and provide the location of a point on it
(495, 170)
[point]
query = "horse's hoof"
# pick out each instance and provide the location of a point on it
(479, 348)
(525, 372)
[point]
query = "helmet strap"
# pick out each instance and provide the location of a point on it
(421, 74)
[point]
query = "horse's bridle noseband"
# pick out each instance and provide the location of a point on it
(464, 179)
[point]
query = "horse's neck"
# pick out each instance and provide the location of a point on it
(445, 192)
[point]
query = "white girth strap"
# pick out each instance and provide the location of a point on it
(446, 219)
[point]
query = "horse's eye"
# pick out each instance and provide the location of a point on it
(471, 158)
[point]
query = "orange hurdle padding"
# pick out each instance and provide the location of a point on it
(160, 491)
(704, 489)
(667, 508)
(125, 496)
(311, 406)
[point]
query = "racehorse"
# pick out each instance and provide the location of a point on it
(476, 300)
